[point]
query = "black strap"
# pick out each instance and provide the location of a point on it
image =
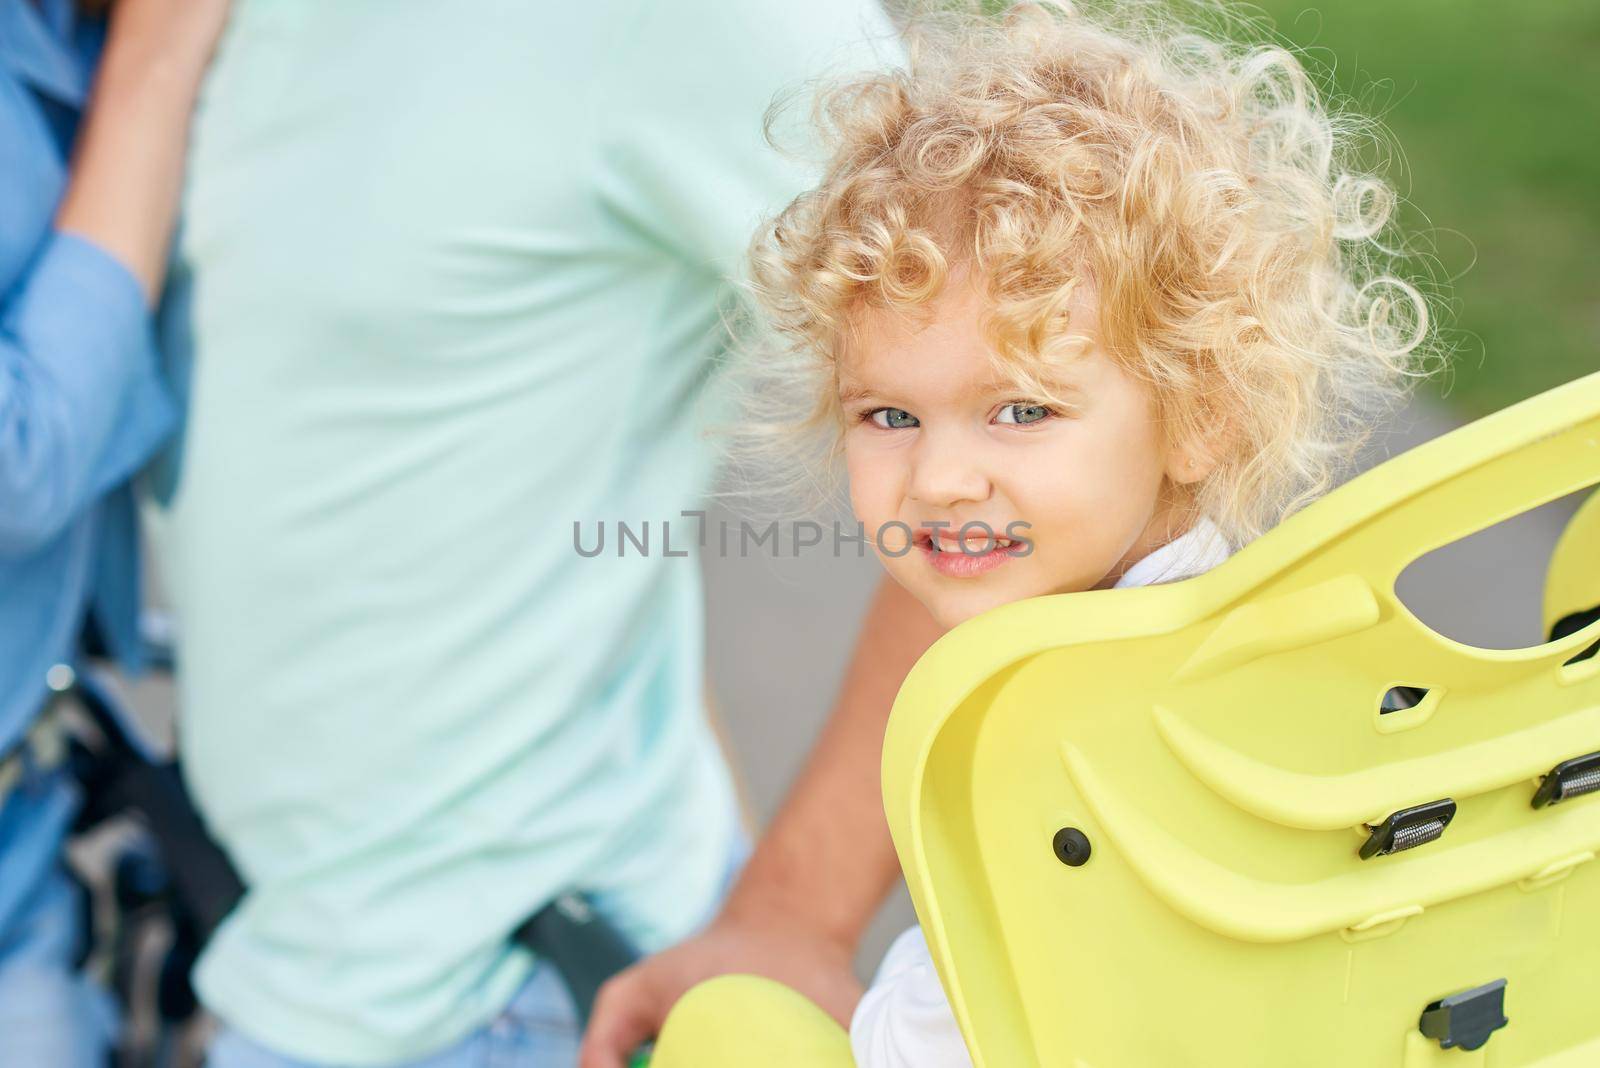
(582, 945)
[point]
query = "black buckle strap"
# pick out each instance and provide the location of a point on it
(1409, 828)
(1467, 1019)
(1569, 779)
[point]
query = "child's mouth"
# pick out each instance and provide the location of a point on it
(949, 558)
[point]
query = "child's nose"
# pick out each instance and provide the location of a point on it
(947, 470)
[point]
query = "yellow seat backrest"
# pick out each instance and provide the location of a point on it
(1219, 744)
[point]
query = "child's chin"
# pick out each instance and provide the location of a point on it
(953, 611)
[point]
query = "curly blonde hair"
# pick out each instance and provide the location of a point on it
(1200, 184)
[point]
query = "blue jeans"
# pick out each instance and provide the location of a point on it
(538, 1029)
(51, 1015)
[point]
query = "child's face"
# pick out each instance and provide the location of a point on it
(944, 443)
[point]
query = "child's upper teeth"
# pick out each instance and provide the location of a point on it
(945, 545)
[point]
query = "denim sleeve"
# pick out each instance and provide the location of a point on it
(81, 403)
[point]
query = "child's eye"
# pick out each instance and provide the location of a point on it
(891, 418)
(1022, 414)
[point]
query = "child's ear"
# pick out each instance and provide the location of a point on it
(1197, 458)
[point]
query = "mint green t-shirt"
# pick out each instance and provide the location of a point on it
(455, 272)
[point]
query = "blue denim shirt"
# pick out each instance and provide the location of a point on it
(81, 401)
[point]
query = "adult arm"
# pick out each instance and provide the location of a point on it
(817, 876)
(75, 333)
(128, 164)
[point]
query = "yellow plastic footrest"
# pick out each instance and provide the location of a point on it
(746, 1021)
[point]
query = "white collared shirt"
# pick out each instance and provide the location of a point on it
(904, 1019)
(1200, 548)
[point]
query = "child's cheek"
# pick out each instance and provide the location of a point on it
(875, 494)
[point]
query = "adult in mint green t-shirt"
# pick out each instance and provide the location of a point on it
(454, 274)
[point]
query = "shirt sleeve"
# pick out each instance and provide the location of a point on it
(682, 157)
(81, 402)
(904, 1020)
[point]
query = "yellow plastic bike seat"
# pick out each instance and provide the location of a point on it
(1191, 825)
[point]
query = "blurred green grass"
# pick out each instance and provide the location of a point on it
(1495, 124)
(1493, 144)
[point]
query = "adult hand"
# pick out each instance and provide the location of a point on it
(818, 874)
(745, 938)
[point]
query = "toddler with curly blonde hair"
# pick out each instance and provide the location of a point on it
(1084, 299)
